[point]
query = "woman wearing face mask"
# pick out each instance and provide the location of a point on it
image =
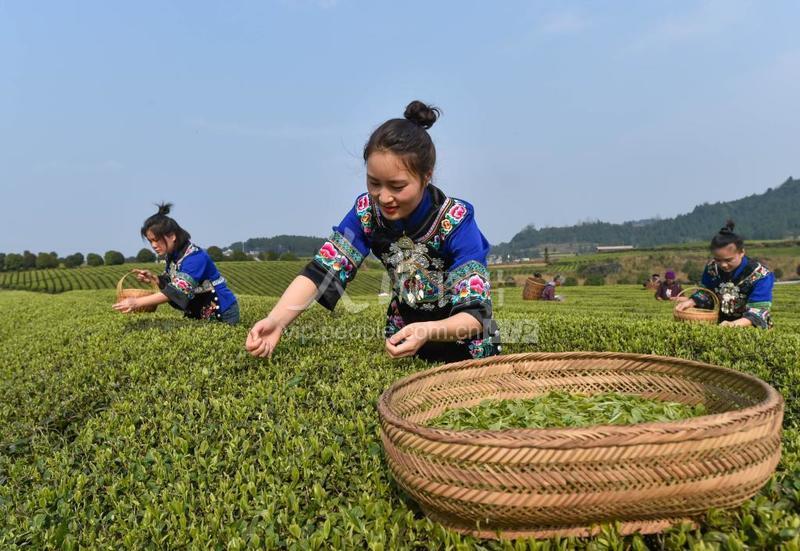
(743, 286)
(429, 243)
(190, 282)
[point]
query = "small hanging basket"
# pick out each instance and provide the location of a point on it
(698, 315)
(533, 288)
(133, 292)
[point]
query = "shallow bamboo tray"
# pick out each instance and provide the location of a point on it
(547, 482)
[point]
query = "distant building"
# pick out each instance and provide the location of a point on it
(614, 248)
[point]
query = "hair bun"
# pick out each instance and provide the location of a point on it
(422, 114)
(164, 208)
(727, 229)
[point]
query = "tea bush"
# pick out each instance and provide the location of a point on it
(153, 432)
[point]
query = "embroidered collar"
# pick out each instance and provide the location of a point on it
(178, 254)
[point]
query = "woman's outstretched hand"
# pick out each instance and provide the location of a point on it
(126, 305)
(263, 338)
(685, 304)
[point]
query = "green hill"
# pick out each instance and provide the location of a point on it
(769, 215)
(300, 245)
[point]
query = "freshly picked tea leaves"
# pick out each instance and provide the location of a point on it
(558, 409)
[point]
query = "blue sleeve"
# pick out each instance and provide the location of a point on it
(467, 243)
(467, 284)
(701, 299)
(762, 289)
(337, 261)
(759, 303)
(352, 230)
(180, 287)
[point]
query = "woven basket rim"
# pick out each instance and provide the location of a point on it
(583, 437)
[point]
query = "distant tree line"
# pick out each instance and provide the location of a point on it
(769, 215)
(11, 262)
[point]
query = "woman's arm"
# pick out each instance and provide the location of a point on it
(297, 298)
(266, 333)
(408, 340)
(128, 305)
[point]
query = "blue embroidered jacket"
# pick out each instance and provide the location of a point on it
(435, 258)
(744, 293)
(193, 284)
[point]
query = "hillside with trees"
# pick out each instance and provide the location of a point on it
(769, 215)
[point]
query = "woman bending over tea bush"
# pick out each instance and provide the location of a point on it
(743, 286)
(428, 242)
(190, 282)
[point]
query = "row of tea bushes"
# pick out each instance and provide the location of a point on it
(156, 432)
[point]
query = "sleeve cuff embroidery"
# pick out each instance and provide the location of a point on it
(339, 256)
(469, 283)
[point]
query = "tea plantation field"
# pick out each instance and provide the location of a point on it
(255, 278)
(154, 432)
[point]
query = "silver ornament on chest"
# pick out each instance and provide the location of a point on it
(411, 269)
(729, 297)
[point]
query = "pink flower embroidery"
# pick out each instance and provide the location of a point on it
(476, 284)
(183, 285)
(363, 203)
(328, 251)
(457, 211)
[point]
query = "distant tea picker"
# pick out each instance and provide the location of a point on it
(428, 242)
(669, 289)
(742, 285)
(191, 281)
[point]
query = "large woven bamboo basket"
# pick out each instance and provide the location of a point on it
(132, 292)
(533, 288)
(547, 482)
(698, 315)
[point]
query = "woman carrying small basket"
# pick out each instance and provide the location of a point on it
(742, 286)
(191, 281)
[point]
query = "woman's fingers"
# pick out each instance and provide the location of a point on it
(251, 344)
(266, 349)
(400, 336)
(406, 348)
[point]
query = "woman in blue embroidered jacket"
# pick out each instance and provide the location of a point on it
(743, 286)
(430, 244)
(190, 282)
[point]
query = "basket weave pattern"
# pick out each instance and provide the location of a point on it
(543, 482)
(698, 315)
(533, 288)
(136, 293)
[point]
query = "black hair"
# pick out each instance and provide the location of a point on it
(161, 225)
(408, 137)
(725, 237)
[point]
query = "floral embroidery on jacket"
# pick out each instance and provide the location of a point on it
(340, 256)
